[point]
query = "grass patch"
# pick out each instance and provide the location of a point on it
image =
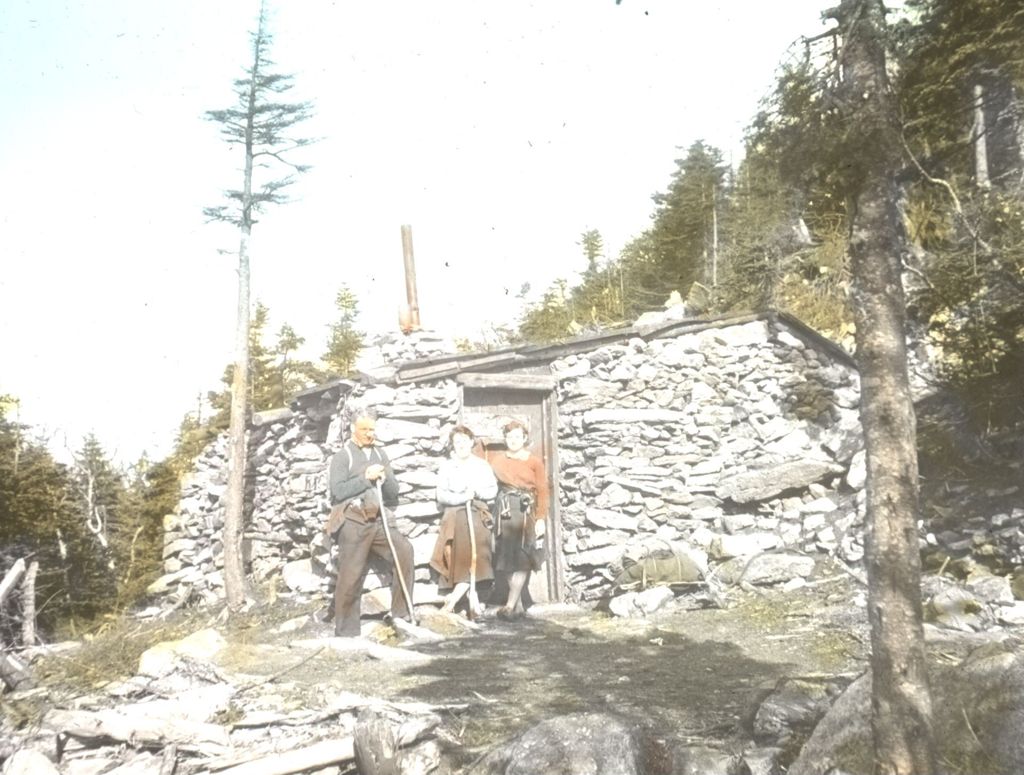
(112, 652)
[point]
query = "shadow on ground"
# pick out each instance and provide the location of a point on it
(513, 675)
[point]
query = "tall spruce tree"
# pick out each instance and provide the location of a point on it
(259, 124)
(345, 340)
(685, 221)
(91, 530)
(967, 220)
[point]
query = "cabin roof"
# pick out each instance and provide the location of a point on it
(517, 357)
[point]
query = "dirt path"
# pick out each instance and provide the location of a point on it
(693, 673)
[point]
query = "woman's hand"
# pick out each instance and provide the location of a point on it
(539, 528)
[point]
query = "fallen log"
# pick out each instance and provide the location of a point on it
(138, 730)
(321, 754)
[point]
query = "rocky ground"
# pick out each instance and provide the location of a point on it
(694, 671)
(734, 669)
(737, 671)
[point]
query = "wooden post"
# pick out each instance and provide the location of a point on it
(412, 301)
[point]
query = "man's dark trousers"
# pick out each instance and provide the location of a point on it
(356, 540)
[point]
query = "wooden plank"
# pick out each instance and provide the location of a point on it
(271, 416)
(556, 560)
(309, 757)
(537, 382)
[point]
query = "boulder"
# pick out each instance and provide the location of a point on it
(576, 744)
(765, 483)
(159, 660)
(857, 476)
(641, 603)
(977, 715)
(766, 568)
(613, 520)
(742, 545)
(298, 576)
(28, 761)
(604, 555)
(793, 708)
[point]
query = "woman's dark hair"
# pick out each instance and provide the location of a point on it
(460, 430)
(512, 425)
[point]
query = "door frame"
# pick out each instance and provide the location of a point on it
(543, 384)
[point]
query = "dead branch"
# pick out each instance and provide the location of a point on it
(11, 578)
(948, 188)
(279, 673)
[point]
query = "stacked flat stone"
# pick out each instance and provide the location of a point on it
(739, 440)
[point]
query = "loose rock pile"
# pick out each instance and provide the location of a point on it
(189, 710)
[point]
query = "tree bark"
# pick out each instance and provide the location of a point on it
(234, 506)
(11, 579)
(28, 605)
(980, 135)
(901, 700)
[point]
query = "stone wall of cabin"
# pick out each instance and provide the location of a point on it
(738, 441)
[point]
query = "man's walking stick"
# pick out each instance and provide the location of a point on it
(394, 554)
(474, 600)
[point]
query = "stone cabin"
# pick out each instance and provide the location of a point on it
(737, 437)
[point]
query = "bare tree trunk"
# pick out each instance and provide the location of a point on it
(901, 700)
(980, 136)
(28, 605)
(714, 243)
(11, 579)
(234, 507)
(259, 122)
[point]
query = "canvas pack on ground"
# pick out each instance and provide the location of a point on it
(656, 561)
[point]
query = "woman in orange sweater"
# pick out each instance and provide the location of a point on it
(522, 508)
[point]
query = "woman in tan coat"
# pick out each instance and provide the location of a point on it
(462, 554)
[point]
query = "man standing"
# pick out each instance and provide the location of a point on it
(357, 523)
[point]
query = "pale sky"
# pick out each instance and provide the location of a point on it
(499, 131)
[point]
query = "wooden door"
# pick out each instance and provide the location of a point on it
(488, 403)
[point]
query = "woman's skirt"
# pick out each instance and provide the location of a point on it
(516, 544)
(453, 553)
